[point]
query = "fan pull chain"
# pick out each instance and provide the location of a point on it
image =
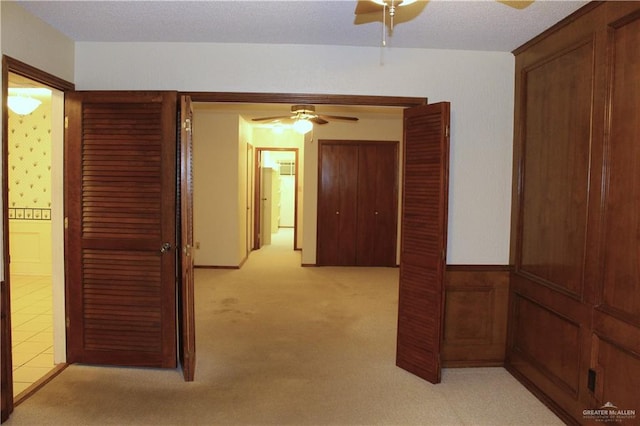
(384, 24)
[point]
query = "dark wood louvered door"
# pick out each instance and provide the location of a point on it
(186, 285)
(121, 236)
(423, 240)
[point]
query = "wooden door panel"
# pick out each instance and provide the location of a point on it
(616, 320)
(367, 208)
(120, 205)
(186, 306)
(559, 358)
(386, 227)
(337, 205)
(328, 204)
(549, 336)
(556, 169)
(620, 293)
(423, 241)
(618, 374)
(576, 230)
(348, 206)
(377, 204)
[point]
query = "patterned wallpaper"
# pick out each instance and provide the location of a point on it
(30, 163)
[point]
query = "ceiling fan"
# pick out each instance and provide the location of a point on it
(404, 11)
(303, 116)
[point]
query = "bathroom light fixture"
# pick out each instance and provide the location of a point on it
(22, 105)
(302, 126)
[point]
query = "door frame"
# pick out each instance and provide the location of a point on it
(11, 65)
(300, 98)
(257, 195)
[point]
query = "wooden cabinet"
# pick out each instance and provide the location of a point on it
(574, 320)
(357, 203)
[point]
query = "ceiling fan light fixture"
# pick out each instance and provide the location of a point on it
(22, 105)
(302, 126)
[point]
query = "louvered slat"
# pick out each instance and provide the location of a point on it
(122, 292)
(127, 165)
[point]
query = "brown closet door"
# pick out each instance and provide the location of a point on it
(186, 285)
(424, 239)
(337, 204)
(377, 204)
(120, 243)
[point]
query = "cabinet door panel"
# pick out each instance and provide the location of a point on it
(616, 324)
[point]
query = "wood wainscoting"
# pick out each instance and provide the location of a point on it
(475, 322)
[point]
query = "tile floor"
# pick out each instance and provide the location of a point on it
(31, 329)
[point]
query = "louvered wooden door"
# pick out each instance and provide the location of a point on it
(120, 242)
(186, 285)
(423, 240)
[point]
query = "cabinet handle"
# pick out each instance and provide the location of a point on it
(375, 213)
(337, 212)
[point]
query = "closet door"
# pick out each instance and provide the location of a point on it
(377, 203)
(120, 202)
(337, 204)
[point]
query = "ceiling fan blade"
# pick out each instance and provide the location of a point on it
(337, 117)
(318, 120)
(516, 4)
(367, 6)
(278, 117)
(372, 12)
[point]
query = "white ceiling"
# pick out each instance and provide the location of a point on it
(441, 24)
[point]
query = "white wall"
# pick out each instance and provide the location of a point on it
(30, 40)
(479, 86)
(216, 218)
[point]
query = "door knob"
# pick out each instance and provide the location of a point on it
(165, 248)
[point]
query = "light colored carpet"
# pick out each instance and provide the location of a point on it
(279, 344)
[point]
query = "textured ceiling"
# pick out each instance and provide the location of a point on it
(439, 24)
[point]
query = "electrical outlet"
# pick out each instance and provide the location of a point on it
(197, 245)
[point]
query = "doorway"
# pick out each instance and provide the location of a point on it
(36, 241)
(276, 194)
